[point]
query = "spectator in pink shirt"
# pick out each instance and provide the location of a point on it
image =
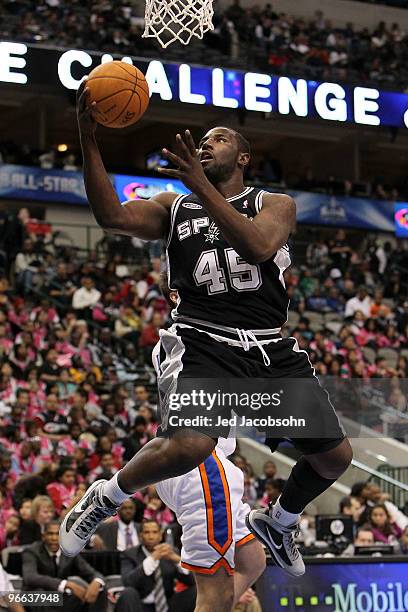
(383, 529)
(21, 358)
(26, 460)
(17, 314)
(348, 345)
(36, 391)
(6, 343)
(147, 412)
(8, 383)
(62, 490)
(367, 335)
(380, 369)
(390, 338)
(156, 510)
(322, 345)
(106, 468)
(273, 488)
(51, 315)
(69, 443)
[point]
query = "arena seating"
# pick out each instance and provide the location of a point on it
(250, 38)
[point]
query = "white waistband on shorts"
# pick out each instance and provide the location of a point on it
(246, 339)
(207, 325)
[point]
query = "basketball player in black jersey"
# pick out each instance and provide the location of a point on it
(227, 251)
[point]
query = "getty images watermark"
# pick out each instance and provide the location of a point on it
(218, 400)
(324, 408)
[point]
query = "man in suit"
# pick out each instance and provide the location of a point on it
(46, 568)
(118, 535)
(149, 573)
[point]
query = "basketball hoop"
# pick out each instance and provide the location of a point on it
(171, 20)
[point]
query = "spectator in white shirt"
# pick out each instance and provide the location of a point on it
(382, 253)
(361, 301)
(85, 298)
(141, 284)
(26, 265)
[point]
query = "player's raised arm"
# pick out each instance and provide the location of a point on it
(258, 240)
(275, 223)
(254, 240)
(148, 219)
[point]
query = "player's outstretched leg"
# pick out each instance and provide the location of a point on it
(277, 525)
(220, 592)
(250, 563)
(215, 592)
(159, 459)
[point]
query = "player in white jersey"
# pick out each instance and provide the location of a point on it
(216, 544)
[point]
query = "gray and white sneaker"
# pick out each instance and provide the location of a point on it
(81, 522)
(279, 540)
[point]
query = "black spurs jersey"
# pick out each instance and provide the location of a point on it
(214, 283)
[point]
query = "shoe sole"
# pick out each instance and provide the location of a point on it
(258, 534)
(63, 531)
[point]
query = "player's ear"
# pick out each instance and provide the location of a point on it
(244, 159)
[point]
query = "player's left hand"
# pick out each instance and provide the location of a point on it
(189, 168)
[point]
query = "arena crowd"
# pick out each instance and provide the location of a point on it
(258, 37)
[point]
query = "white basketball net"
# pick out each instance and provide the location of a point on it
(171, 20)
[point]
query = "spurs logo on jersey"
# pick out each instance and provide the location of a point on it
(213, 282)
(213, 233)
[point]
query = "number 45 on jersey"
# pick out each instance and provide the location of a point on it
(242, 275)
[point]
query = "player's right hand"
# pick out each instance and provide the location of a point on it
(86, 120)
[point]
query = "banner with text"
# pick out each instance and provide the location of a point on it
(343, 211)
(337, 586)
(56, 70)
(39, 184)
(31, 183)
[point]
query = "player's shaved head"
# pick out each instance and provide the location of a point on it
(243, 144)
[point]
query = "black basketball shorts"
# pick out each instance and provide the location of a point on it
(208, 382)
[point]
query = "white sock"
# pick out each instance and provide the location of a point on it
(113, 491)
(283, 517)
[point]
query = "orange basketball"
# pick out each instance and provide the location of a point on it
(121, 94)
